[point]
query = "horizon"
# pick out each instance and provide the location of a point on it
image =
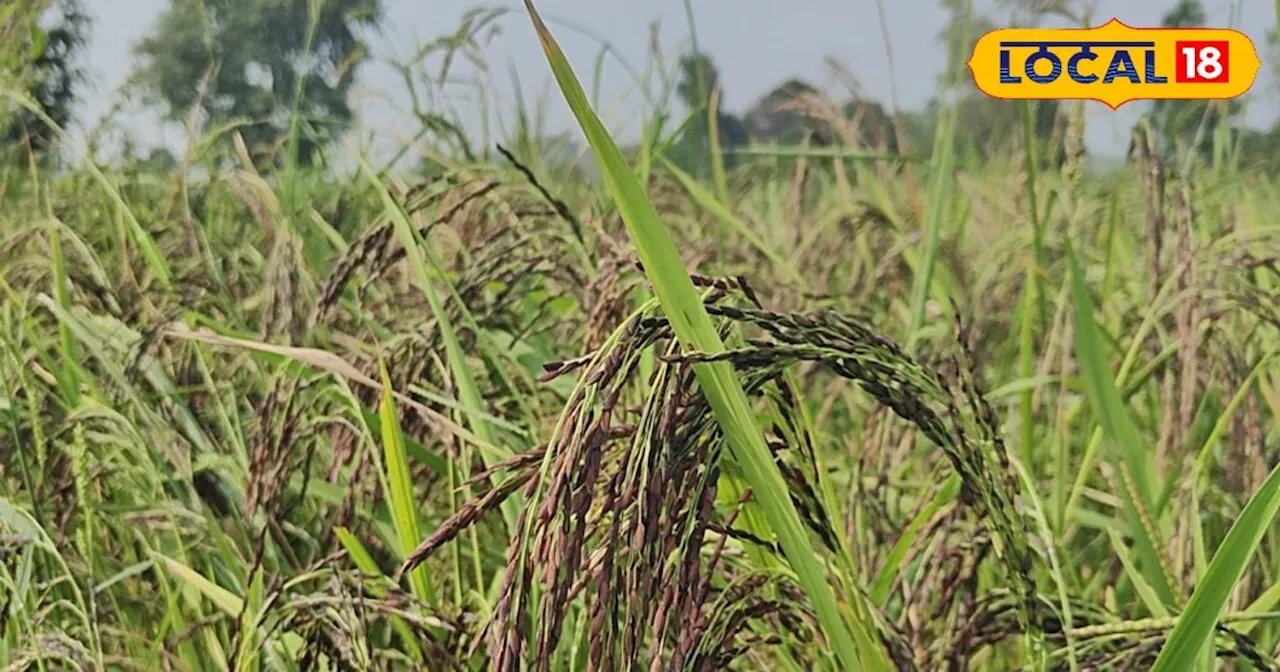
(747, 72)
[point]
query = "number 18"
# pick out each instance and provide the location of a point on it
(1202, 62)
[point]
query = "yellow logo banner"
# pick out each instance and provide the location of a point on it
(1114, 63)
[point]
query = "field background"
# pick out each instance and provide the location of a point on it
(821, 384)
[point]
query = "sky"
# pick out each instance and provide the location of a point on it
(756, 44)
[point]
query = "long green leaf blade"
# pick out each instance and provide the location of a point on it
(1109, 406)
(404, 512)
(1195, 627)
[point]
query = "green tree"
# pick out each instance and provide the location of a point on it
(875, 125)
(248, 59)
(41, 60)
(777, 118)
(961, 30)
(698, 78)
(19, 33)
(1179, 122)
(780, 118)
(987, 125)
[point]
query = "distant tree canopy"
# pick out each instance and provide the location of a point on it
(779, 116)
(40, 41)
(795, 111)
(792, 113)
(985, 125)
(1179, 121)
(1259, 149)
(698, 79)
(245, 58)
(19, 36)
(873, 124)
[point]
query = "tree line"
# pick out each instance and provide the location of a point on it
(288, 67)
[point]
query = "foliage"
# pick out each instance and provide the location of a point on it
(20, 36)
(987, 121)
(1190, 125)
(698, 79)
(48, 72)
(269, 63)
(780, 116)
(1259, 150)
(796, 111)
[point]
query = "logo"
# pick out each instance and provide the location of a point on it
(1114, 64)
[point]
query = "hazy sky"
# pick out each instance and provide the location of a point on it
(755, 43)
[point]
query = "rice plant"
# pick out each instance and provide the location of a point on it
(805, 415)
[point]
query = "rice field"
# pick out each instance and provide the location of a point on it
(819, 411)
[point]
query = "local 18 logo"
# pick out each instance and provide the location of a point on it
(1114, 63)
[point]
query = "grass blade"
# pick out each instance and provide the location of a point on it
(1196, 624)
(1109, 406)
(404, 512)
(892, 566)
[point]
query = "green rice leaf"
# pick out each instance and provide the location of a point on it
(1113, 416)
(1196, 624)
